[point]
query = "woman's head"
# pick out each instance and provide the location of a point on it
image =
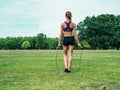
(68, 15)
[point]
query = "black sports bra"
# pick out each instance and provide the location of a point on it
(68, 28)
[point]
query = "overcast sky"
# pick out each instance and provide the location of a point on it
(30, 17)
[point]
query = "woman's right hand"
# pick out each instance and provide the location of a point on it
(79, 45)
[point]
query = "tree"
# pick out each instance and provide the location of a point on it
(11, 44)
(33, 42)
(52, 43)
(26, 45)
(117, 33)
(2, 43)
(99, 31)
(40, 40)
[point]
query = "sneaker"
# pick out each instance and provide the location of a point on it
(66, 70)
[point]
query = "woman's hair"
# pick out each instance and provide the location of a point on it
(68, 14)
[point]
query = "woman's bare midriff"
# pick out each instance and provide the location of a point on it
(67, 34)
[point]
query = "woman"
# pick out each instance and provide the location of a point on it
(68, 31)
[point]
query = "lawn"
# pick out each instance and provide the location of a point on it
(37, 70)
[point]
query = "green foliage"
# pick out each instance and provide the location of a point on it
(36, 42)
(11, 44)
(85, 44)
(2, 43)
(102, 31)
(53, 42)
(40, 41)
(26, 45)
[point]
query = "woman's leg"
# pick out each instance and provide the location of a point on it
(65, 48)
(71, 47)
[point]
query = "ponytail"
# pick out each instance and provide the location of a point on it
(68, 14)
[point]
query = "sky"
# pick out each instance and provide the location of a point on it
(30, 17)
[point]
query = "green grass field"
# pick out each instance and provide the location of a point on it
(36, 70)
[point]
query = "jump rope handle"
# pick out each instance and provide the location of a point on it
(57, 47)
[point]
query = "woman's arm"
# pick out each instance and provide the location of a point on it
(76, 36)
(61, 35)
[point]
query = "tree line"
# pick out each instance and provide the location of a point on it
(39, 41)
(96, 32)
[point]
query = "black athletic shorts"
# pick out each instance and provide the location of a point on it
(68, 41)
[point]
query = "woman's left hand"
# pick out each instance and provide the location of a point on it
(58, 45)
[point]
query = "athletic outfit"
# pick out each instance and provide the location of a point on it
(69, 40)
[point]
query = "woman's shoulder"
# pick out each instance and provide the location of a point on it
(73, 23)
(62, 23)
